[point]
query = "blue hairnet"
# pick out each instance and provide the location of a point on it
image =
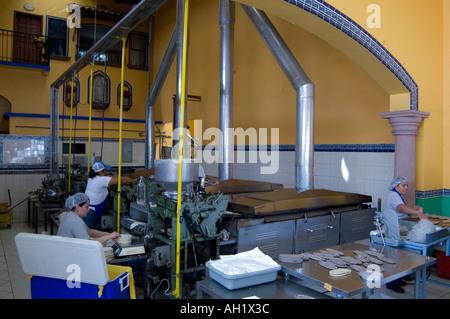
(397, 181)
(76, 199)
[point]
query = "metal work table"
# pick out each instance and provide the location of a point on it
(35, 208)
(440, 238)
(352, 285)
(437, 238)
(279, 289)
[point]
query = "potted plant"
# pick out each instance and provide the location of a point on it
(38, 42)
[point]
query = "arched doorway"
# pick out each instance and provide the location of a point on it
(5, 107)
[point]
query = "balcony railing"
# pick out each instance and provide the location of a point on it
(17, 48)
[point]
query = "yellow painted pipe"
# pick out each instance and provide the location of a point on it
(70, 131)
(119, 184)
(90, 119)
(176, 293)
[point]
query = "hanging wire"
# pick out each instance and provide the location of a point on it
(90, 117)
(70, 131)
(61, 169)
(95, 22)
(76, 112)
(119, 185)
(103, 110)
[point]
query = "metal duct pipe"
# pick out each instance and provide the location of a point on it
(153, 95)
(304, 145)
(140, 12)
(226, 21)
(178, 121)
(54, 132)
(149, 111)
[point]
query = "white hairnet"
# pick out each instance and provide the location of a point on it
(76, 199)
(397, 181)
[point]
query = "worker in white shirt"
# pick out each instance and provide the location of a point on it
(97, 191)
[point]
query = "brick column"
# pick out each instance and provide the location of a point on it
(405, 128)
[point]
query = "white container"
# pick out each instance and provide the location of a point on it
(243, 280)
(59, 257)
(141, 192)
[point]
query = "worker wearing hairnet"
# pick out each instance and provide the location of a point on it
(395, 202)
(97, 190)
(72, 224)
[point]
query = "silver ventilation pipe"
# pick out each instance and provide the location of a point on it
(304, 144)
(138, 14)
(153, 95)
(178, 121)
(226, 21)
(149, 111)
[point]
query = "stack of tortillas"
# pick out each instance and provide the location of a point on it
(109, 254)
(124, 239)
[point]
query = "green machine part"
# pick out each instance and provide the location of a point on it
(200, 216)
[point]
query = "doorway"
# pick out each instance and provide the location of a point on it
(26, 27)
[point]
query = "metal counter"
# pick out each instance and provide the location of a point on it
(352, 285)
(288, 200)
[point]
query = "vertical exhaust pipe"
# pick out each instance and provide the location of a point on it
(226, 21)
(154, 93)
(304, 143)
(178, 121)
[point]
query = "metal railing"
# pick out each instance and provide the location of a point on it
(18, 47)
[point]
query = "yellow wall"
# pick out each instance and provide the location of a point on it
(413, 32)
(347, 98)
(446, 106)
(349, 93)
(28, 90)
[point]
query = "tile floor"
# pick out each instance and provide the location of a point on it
(14, 283)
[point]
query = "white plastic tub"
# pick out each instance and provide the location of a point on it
(243, 270)
(233, 282)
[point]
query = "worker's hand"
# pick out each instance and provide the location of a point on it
(422, 216)
(114, 235)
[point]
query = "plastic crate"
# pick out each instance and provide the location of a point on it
(232, 282)
(120, 286)
(3, 207)
(5, 219)
(443, 265)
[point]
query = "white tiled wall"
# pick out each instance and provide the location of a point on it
(20, 186)
(29, 151)
(369, 173)
(110, 152)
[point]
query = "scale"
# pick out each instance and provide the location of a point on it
(135, 247)
(390, 235)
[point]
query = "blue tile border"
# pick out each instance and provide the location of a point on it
(340, 21)
(433, 193)
(358, 148)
